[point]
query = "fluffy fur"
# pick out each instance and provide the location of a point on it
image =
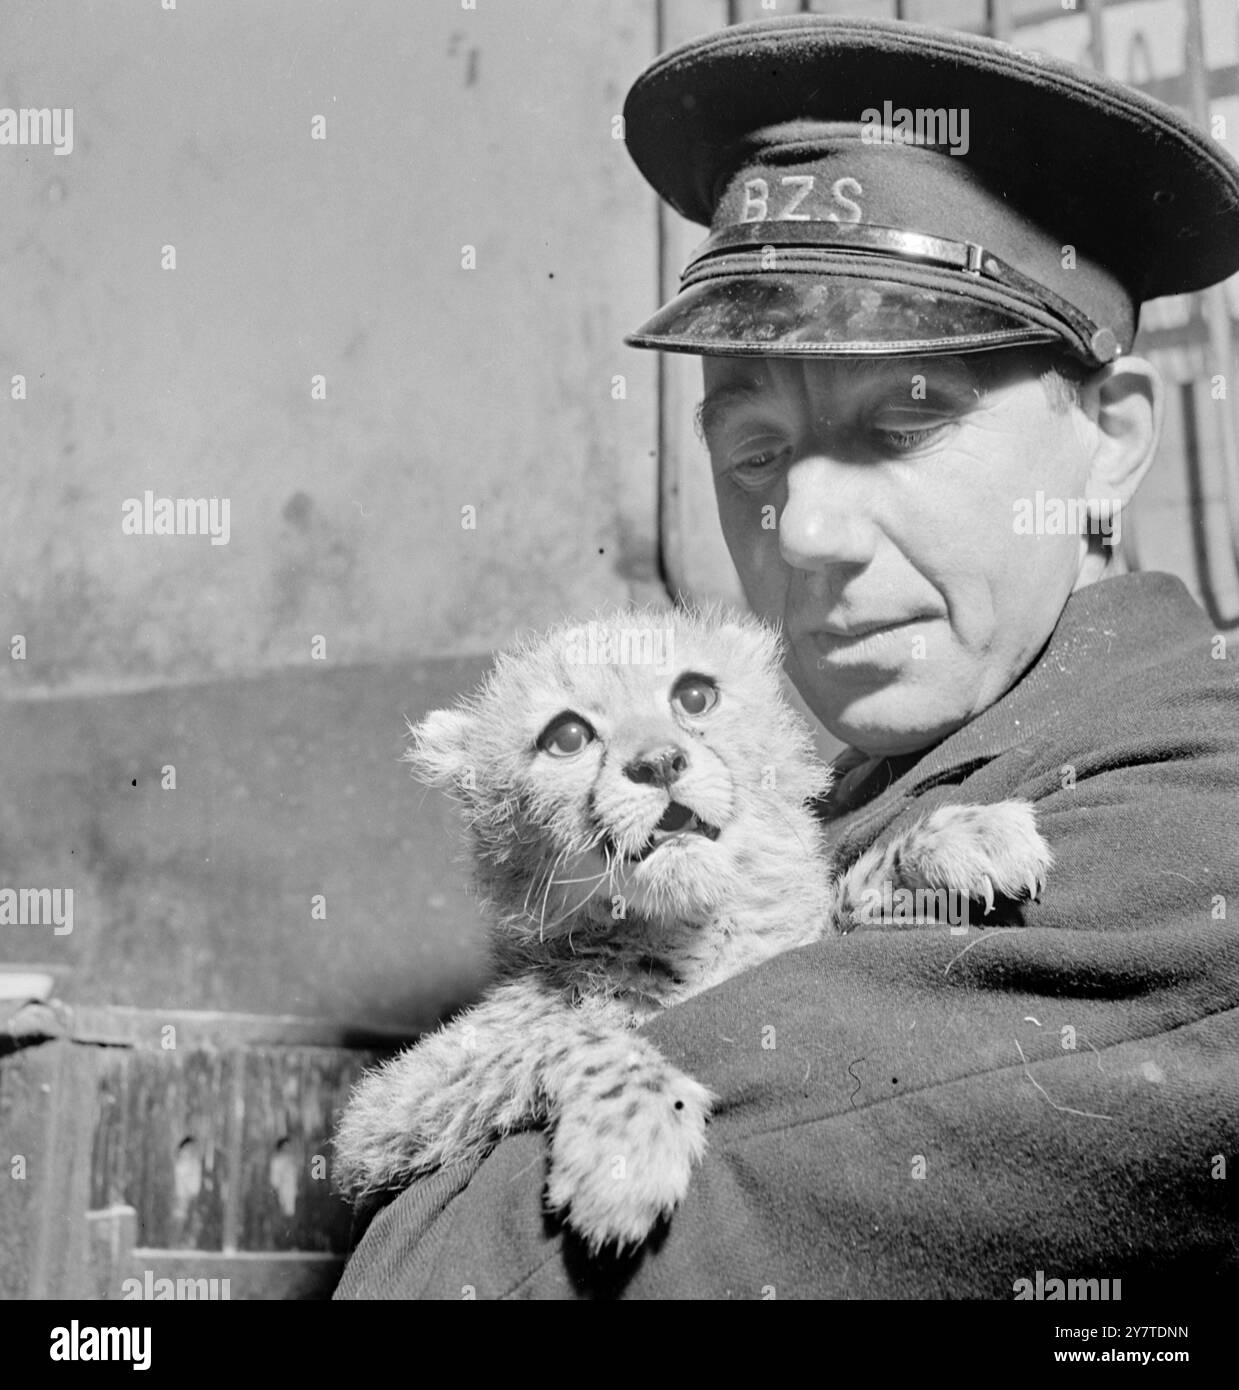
(637, 793)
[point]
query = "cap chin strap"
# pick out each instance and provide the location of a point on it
(869, 237)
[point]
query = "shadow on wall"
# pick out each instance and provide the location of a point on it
(243, 845)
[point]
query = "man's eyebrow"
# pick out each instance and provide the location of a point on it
(731, 393)
(954, 370)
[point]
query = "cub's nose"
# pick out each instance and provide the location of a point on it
(661, 766)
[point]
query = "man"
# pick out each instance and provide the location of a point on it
(915, 355)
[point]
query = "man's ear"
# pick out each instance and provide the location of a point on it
(440, 749)
(1125, 400)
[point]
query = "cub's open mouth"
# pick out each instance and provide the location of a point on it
(677, 822)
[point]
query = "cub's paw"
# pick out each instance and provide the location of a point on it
(623, 1151)
(982, 852)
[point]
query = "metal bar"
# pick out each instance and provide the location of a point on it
(1197, 503)
(998, 22)
(666, 517)
(1217, 310)
(693, 558)
(1096, 36)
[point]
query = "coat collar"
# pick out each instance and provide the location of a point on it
(1105, 631)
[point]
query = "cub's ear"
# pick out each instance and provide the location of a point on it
(439, 749)
(761, 643)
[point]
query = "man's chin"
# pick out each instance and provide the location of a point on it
(885, 724)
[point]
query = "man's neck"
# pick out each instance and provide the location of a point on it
(1100, 564)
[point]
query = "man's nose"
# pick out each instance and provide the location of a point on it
(825, 518)
(660, 766)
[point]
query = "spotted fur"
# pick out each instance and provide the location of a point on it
(675, 848)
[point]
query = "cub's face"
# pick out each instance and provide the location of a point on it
(628, 765)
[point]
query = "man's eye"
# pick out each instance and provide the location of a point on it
(695, 695)
(565, 736)
(909, 441)
(903, 428)
(907, 435)
(756, 461)
(757, 470)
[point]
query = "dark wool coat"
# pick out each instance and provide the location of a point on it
(901, 1117)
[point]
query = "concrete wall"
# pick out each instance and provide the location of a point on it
(341, 257)
(504, 389)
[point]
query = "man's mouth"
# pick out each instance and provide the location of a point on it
(678, 822)
(865, 646)
(854, 631)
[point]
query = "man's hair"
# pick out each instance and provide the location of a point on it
(1061, 374)
(1061, 379)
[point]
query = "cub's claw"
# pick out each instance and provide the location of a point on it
(982, 852)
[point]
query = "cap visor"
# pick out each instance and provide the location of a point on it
(773, 313)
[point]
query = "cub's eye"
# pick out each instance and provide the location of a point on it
(695, 694)
(565, 736)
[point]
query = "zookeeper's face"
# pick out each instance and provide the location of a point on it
(869, 505)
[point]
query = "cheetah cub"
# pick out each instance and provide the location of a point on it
(637, 793)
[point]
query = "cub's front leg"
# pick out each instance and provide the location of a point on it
(446, 1099)
(627, 1126)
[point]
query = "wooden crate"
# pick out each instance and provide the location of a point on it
(144, 1146)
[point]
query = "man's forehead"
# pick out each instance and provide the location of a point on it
(733, 381)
